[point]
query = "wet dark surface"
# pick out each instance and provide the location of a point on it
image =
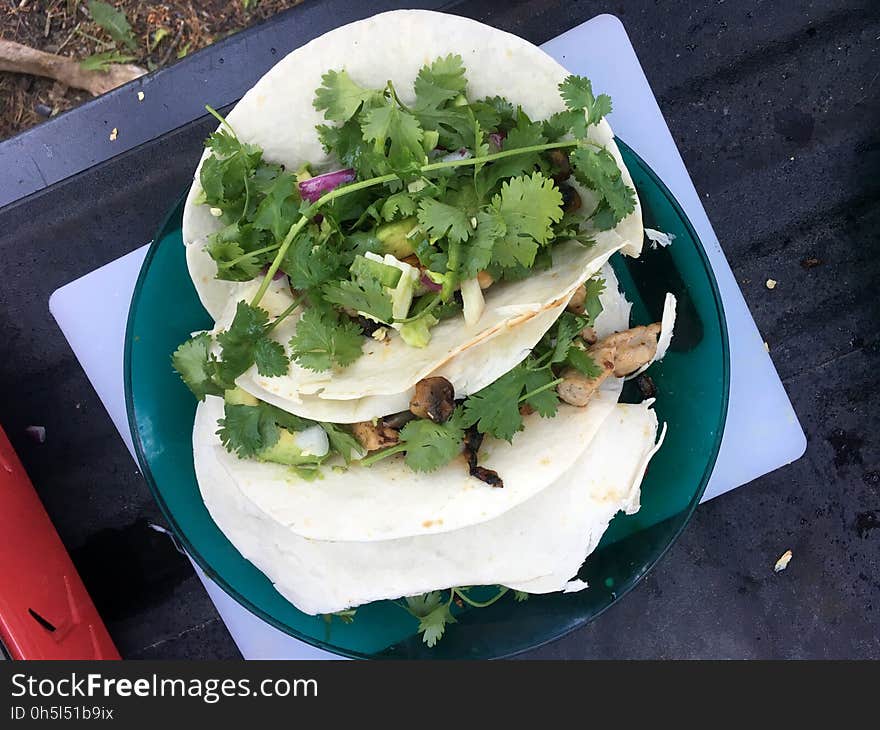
(774, 108)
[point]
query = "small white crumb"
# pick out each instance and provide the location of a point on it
(783, 562)
(791, 158)
(380, 333)
(474, 222)
(114, 133)
(771, 283)
(216, 212)
(37, 433)
(766, 347)
(659, 238)
(573, 586)
(140, 96)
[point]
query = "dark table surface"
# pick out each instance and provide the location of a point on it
(775, 109)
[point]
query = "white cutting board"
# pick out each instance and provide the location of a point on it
(762, 432)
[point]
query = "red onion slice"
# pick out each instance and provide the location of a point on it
(430, 285)
(315, 187)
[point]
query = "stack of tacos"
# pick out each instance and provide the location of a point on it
(403, 234)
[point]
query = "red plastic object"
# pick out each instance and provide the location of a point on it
(45, 610)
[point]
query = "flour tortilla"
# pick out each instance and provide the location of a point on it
(536, 546)
(388, 500)
(470, 371)
(278, 115)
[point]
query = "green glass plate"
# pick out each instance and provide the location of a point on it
(692, 390)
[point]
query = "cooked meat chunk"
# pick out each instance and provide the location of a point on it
(576, 303)
(619, 354)
(588, 335)
(374, 436)
(633, 348)
(434, 398)
(576, 388)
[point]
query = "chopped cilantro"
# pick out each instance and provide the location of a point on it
(366, 295)
(196, 366)
(431, 445)
(324, 339)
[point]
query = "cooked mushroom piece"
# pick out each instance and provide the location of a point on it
(473, 439)
(571, 199)
(560, 161)
(434, 398)
(576, 388)
(578, 300)
(374, 436)
(398, 420)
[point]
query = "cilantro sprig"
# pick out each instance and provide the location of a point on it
(435, 612)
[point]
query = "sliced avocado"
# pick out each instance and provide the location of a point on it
(383, 273)
(393, 237)
(237, 397)
(286, 451)
(418, 332)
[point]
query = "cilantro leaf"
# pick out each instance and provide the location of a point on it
(391, 123)
(431, 445)
(525, 134)
(520, 596)
(440, 219)
(495, 408)
(583, 362)
(339, 97)
(239, 342)
(247, 430)
(270, 358)
(546, 402)
(194, 363)
(279, 209)
(567, 326)
(322, 340)
(401, 204)
(309, 264)
(477, 255)
(439, 82)
(577, 92)
(366, 296)
(495, 108)
(341, 441)
(598, 170)
(348, 144)
(592, 304)
(528, 206)
(433, 615)
(235, 249)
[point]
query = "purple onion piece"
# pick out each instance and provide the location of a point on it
(496, 139)
(315, 187)
(430, 285)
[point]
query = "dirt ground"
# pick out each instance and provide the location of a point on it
(163, 32)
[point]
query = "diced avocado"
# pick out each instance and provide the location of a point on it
(418, 332)
(367, 268)
(237, 397)
(393, 237)
(287, 451)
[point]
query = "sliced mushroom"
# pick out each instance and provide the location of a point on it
(576, 388)
(571, 199)
(560, 161)
(434, 398)
(578, 300)
(374, 436)
(398, 420)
